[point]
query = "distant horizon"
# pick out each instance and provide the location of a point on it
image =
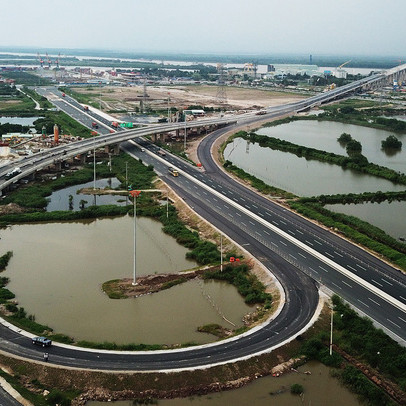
(35, 49)
(277, 58)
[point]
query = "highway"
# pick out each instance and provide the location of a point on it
(297, 251)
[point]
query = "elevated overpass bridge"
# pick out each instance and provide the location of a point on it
(30, 164)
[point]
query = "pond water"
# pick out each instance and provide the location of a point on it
(323, 135)
(389, 217)
(58, 268)
(320, 389)
(59, 200)
(19, 120)
(300, 176)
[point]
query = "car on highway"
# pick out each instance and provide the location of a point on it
(42, 341)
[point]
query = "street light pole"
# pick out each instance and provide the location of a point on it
(331, 332)
(221, 252)
(167, 203)
(184, 141)
(94, 162)
(135, 241)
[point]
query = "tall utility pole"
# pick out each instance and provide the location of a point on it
(134, 194)
(221, 85)
(94, 162)
(221, 252)
(169, 113)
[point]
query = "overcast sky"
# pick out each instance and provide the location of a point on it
(366, 27)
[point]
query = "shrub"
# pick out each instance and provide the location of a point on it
(296, 389)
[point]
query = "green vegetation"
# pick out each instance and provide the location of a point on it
(174, 282)
(356, 336)
(55, 397)
(25, 78)
(356, 230)
(344, 138)
(246, 283)
(258, 184)
(66, 124)
(355, 161)
(43, 101)
(129, 347)
(13, 128)
(5, 259)
(110, 289)
(391, 142)
(373, 197)
(296, 389)
(214, 329)
(90, 212)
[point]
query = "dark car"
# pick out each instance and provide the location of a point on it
(43, 341)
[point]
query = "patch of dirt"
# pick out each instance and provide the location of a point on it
(181, 97)
(11, 208)
(148, 284)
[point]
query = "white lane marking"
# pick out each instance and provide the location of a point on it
(339, 287)
(345, 283)
(395, 302)
(390, 321)
(353, 269)
(226, 206)
(205, 193)
(402, 298)
(313, 270)
(289, 231)
(273, 221)
(251, 222)
(266, 232)
(219, 207)
(363, 303)
(360, 266)
(256, 232)
(283, 243)
(241, 198)
(261, 214)
(372, 300)
(309, 243)
(337, 253)
(318, 242)
(293, 256)
(283, 222)
(386, 281)
(302, 255)
(231, 215)
(373, 280)
(255, 207)
(243, 224)
(215, 199)
(324, 269)
(274, 244)
(238, 214)
(299, 231)
(402, 319)
(330, 255)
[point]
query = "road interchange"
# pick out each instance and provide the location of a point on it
(285, 261)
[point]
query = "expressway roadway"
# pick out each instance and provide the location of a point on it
(297, 251)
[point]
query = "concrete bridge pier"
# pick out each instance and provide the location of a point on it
(112, 149)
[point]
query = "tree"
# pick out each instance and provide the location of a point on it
(344, 138)
(391, 142)
(354, 147)
(296, 389)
